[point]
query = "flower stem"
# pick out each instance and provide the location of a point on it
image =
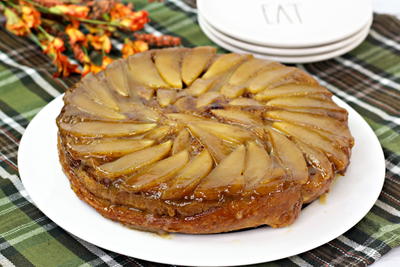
(85, 51)
(48, 36)
(99, 22)
(12, 5)
(35, 40)
(39, 6)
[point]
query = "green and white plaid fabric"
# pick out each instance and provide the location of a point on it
(367, 78)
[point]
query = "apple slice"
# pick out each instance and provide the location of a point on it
(317, 159)
(116, 75)
(142, 71)
(200, 86)
(113, 148)
(258, 165)
(238, 116)
(224, 63)
(207, 99)
(268, 77)
(291, 90)
(242, 101)
(168, 63)
(183, 118)
(343, 142)
(273, 180)
(98, 91)
(323, 123)
(340, 115)
(232, 91)
(194, 62)
(158, 133)
(332, 151)
(139, 112)
(282, 76)
(138, 159)
(166, 97)
(225, 178)
(158, 173)
(248, 69)
(290, 155)
(189, 177)
(215, 145)
(227, 132)
(221, 80)
(82, 102)
(300, 77)
(181, 142)
(105, 129)
(185, 104)
(304, 102)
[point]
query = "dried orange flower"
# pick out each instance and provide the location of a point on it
(133, 47)
(71, 10)
(53, 46)
(106, 61)
(74, 34)
(64, 67)
(100, 19)
(91, 67)
(101, 42)
(79, 54)
(14, 23)
(30, 16)
(120, 11)
(135, 21)
(127, 18)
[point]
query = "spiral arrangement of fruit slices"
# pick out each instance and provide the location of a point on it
(189, 123)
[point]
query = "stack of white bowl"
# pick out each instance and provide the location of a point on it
(289, 31)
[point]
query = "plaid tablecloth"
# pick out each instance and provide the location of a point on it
(367, 78)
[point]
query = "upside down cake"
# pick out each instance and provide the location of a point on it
(190, 141)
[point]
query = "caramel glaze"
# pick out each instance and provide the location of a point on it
(278, 208)
(276, 203)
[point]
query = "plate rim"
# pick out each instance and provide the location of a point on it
(59, 222)
(284, 51)
(284, 59)
(233, 34)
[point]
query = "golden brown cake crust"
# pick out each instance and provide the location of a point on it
(185, 140)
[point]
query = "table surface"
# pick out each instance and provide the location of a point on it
(391, 7)
(367, 78)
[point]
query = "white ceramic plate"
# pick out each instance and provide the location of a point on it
(286, 51)
(287, 23)
(351, 197)
(284, 59)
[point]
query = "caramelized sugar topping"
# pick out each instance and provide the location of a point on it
(190, 124)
